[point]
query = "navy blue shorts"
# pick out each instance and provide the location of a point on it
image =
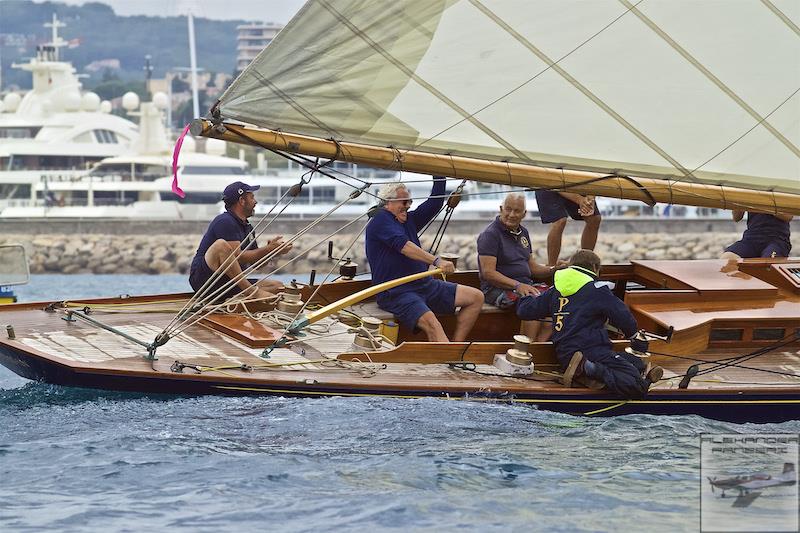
(748, 248)
(198, 276)
(553, 207)
(436, 295)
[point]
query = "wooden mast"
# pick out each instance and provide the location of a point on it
(512, 174)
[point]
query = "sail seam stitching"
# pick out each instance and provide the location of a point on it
(711, 77)
(582, 88)
(427, 86)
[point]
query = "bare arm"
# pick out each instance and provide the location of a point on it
(489, 273)
(251, 256)
(785, 218)
(412, 251)
(540, 271)
(737, 214)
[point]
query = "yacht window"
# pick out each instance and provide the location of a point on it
(105, 136)
(12, 191)
(18, 133)
(267, 195)
(150, 172)
(85, 137)
(116, 169)
(213, 170)
(324, 194)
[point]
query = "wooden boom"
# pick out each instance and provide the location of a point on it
(514, 174)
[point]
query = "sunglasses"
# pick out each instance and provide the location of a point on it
(405, 201)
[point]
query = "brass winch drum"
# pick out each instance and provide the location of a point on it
(518, 357)
(373, 325)
(522, 343)
(348, 270)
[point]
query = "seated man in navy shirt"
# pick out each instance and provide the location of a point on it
(506, 264)
(393, 251)
(555, 207)
(580, 308)
(225, 234)
(765, 236)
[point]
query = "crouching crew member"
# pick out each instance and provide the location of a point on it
(580, 308)
(765, 236)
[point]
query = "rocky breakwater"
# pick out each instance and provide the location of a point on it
(163, 254)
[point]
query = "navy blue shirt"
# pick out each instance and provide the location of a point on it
(512, 250)
(762, 227)
(579, 320)
(225, 226)
(386, 236)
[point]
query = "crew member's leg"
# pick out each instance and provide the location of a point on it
(554, 237)
(552, 211)
(470, 300)
(432, 328)
(218, 253)
(590, 231)
(410, 310)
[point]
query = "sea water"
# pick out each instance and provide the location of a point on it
(85, 460)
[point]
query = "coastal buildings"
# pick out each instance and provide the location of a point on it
(252, 38)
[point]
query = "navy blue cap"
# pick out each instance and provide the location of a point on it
(235, 190)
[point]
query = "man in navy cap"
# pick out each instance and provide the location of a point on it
(227, 233)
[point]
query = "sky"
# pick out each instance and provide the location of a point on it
(252, 10)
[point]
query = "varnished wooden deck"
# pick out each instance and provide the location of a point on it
(334, 361)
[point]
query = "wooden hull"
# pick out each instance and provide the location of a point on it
(731, 406)
(223, 354)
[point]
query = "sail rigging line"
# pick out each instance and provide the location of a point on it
(448, 215)
(582, 88)
(737, 360)
(279, 342)
(296, 106)
(206, 299)
(422, 82)
(781, 15)
(254, 266)
(740, 137)
(182, 327)
(201, 294)
(526, 82)
(712, 78)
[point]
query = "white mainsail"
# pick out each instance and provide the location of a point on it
(688, 91)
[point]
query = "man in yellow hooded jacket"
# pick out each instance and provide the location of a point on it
(580, 307)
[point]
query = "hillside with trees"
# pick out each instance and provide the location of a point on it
(97, 33)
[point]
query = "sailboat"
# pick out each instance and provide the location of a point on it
(651, 101)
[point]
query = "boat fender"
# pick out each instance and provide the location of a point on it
(10, 331)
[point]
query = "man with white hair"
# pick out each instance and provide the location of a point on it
(394, 251)
(506, 263)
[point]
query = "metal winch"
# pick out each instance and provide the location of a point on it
(518, 360)
(291, 299)
(370, 339)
